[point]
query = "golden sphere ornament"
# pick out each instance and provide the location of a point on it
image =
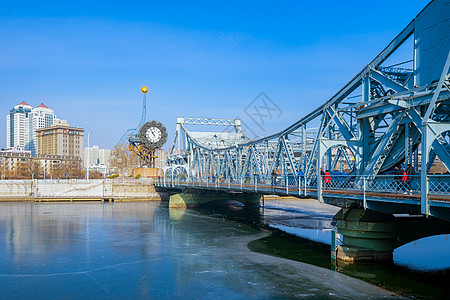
(144, 90)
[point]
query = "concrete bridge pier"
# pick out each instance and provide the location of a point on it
(372, 236)
(194, 197)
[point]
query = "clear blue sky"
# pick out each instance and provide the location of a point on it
(89, 59)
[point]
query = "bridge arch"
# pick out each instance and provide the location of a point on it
(349, 149)
(439, 147)
(175, 172)
(344, 155)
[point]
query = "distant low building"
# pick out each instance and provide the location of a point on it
(99, 168)
(10, 158)
(17, 163)
(50, 162)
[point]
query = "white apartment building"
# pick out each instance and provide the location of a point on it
(17, 126)
(161, 158)
(40, 117)
(22, 122)
(96, 158)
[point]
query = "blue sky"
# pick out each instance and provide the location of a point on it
(87, 60)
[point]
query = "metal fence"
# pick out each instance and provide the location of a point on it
(439, 184)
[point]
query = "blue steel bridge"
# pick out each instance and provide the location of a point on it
(392, 113)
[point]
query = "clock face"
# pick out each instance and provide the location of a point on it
(153, 134)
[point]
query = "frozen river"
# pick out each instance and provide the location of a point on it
(143, 250)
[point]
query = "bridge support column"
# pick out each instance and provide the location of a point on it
(372, 236)
(367, 235)
(192, 198)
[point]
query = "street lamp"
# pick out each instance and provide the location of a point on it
(87, 166)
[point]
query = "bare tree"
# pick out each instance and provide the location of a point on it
(122, 160)
(95, 175)
(69, 169)
(27, 169)
(3, 170)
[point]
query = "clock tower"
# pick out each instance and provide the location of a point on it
(152, 135)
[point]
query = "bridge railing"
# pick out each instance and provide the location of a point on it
(378, 183)
(308, 185)
(439, 184)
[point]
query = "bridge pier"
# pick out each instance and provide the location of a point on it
(372, 236)
(194, 197)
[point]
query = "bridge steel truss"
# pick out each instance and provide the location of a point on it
(397, 117)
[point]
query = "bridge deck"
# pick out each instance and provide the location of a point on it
(296, 191)
(381, 195)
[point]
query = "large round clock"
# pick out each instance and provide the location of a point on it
(153, 134)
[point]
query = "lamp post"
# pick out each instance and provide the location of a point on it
(87, 166)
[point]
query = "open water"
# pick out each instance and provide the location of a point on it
(143, 250)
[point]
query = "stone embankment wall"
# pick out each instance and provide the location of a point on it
(94, 189)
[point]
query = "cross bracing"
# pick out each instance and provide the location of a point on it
(385, 116)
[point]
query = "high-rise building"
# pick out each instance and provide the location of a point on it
(22, 123)
(160, 159)
(103, 156)
(90, 156)
(40, 117)
(17, 126)
(96, 158)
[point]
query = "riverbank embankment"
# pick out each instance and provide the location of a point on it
(70, 190)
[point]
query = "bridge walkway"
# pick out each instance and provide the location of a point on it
(344, 191)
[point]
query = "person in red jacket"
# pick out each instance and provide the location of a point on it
(327, 179)
(404, 180)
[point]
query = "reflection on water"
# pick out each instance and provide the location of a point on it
(143, 250)
(317, 235)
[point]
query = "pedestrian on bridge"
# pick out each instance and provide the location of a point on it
(410, 174)
(300, 176)
(247, 177)
(398, 178)
(274, 178)
(321, 177)
(327, 179)
(404, 182)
